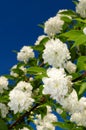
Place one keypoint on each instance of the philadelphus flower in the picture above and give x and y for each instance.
(3, 110)
(46, 122)
(84, 30)
(70, 103)
(56, 53)
(70, 67)
(53, 25)
(40, 38)
(25, 54)
(20, 97)
(56, 84)
(14, 74)
(80, 115)
(3, 84)
(81, 8)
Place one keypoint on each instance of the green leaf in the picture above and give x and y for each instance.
(66, 19)
(81, 64)
(4, 98)
(34, 70)
(81, 20)
(69, 12)
(3, 125)
(82, 88)
(75, 35)
(81, 40)
(65, 126)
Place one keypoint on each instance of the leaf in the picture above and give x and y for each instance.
(65, 126)
(81, 40)
(81, 63)
(68, 12)
(82, 88)
(75, 35)
(34, 70)
(81, 20)
(3, 125)
(66, 19)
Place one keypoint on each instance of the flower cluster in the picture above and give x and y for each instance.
(3, 84)
(20, 97)
(81, 8)
(25, 54)
(56, 84)
(56, 53)
(46, 122)
(53, 79)
(3, 110)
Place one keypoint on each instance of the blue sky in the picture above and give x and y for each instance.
(18, 25)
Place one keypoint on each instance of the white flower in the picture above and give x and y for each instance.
(56, 53)
(79, 118)
(40, 38)
(3, 84)
(84, 30)
(14, 74)
(56, 84)
(25, 128)
(20, 97)
(81, 8)
(25, 54)
(70, 67)
(46, 122)
(53, 25)
(3, 110)
(70, 103)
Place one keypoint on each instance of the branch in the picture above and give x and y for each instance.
(80, 77)
(20, 119)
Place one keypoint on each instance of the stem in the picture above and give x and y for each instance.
(20, 119)
(80, 77)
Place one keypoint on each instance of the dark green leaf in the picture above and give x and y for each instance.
(3, 125)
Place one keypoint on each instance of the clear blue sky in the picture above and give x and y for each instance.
(18, 25)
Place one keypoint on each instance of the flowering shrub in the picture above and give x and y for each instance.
(49, 78)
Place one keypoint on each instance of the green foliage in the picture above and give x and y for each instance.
(3, 125)
(81, 63)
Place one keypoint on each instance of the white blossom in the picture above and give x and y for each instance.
(40, 38)
(81, 8)
(56, 53)
(20, 97)
(3, 110)
(14, 74)
(70, 103)
(79, 118)
(56, 84)
(46, 122)
(70, 67)
(3, 84)
(25, 54)
(53, 26)
(84, 30)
